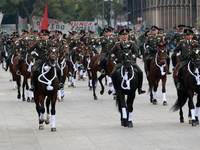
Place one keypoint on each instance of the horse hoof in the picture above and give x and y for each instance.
(14, 88)
(164, 103)
(190, 121)
(95, 98)
(59, 99)
(23, 99)
(28, 99)
(32, 100)
(194, 123)
(115, 97)
(124, 123)
(130, 124)
(90, 88)
(151, 100)
(110, 84)
(197, 120)
(181, 120)
(53, 129)
(19, 96)
(101, 92)
(47, 122)
(155, 102)
(109, 92)
(41, 127)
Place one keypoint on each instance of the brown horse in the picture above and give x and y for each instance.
(95, 67)
(62, 62)
(158, 70)
(26, 73)
(191, 80)
(47, 88)
(76, 61)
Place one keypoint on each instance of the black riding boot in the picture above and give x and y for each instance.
(114, 81)
(168, 63)
(61, 86)
(140, 81)
(148, 61)
(179, 84)
(20, 63)
(102, 67)
(84, 67)
(7, 64)
(173, 60)
(68, 63)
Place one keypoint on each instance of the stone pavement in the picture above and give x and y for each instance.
(83, 123)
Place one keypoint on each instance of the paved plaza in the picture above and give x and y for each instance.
(86, 124)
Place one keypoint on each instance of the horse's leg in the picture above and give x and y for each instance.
(106, 81)
(27, 91)
(155, 94)
(192, 108)
(42, 112)
(130, 99)
(164, 91)
(110, 81)
(94, 76)
(23, 86)
(100, 81)
(197, 109)
(14, 82)
(90, 80)
(53, 112)
(74, 85)
(59, 95)
(18, 79)
(180, 99)
(123, 109)
(47, 121)
(151, 96)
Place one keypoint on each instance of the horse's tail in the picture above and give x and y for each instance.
(180, 102)
(118, 104)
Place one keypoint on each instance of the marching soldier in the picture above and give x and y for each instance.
(23, 45)
(184, 46)
(42, 48)
(153, 39)
(177, 36)
(107, 43)
(118, 53)
(13, 49)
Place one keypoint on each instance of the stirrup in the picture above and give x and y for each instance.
(103, 71)
(18, 72)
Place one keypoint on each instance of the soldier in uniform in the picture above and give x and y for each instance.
(14, 47)
(112, 34)
(194, 35)
(118, 53)
(184, 46)
(177, 36)
(42, 48)
(153, 39)
(36, 35)
(107, 43)
(131, 36)
(72, 42)
(23, 45)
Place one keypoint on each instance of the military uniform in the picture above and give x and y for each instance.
(184, 46)
(178, 36)
(131, 37)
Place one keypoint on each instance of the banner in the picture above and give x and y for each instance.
(22, 24)
(45, 20)
(59, 25)
(1, 17)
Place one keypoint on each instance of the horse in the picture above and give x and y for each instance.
(62, 62)
(47, 88)
(95, 67)
(191, 79)
(158, 70)
(128, 84)
(26, 73)
(76, 61)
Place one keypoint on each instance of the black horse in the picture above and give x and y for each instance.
(127, 85)
(191, 78)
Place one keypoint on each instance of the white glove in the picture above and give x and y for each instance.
(94, 46)
(33, 52)
(99, 43)
(112, 55)
(147, 46)
(133, 56)
(20, 49)
(178, 53)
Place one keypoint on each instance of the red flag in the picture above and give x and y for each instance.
(45, 20)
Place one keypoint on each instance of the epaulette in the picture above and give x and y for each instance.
(182, 40)
(30, 38)
(150, 35)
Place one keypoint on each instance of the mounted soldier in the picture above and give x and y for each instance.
(153, 39)
(107, 43)
(23, 45)
(42, 49)
(180, 35)
(184, 46)
(118, 53)
(131, 36)
(36, 35)
(112, 34)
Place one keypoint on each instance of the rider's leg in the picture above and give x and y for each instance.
(173, 59)
(148, 62)
(168, 64)
(58, 71)
(140, 79)
(102, 63)
(20, 63)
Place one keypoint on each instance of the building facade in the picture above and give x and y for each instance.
(164, 13)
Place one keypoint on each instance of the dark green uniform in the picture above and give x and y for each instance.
(177, 36)
(131, 37)
(23, 45)
(72, 44)
(118, 53)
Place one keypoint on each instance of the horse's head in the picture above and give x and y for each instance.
(65, 50)
(52, 55)
(126, 56)
(162, 53)
(195, 56)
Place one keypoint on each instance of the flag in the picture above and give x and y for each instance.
(22, 23)
(1, 17)
(45, 20)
